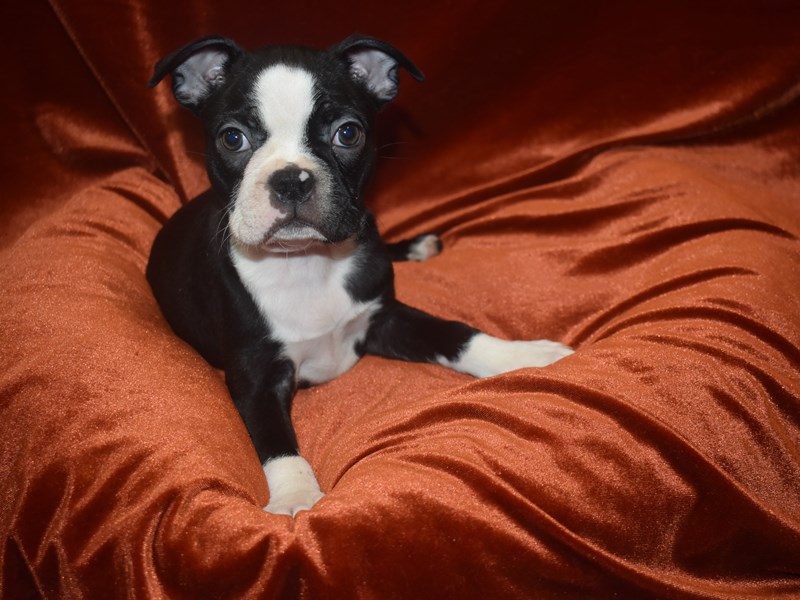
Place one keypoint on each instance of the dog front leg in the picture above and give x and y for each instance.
(402, 332)
(263, 394)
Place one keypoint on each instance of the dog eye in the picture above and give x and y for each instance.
(234, 140)
(348, 135)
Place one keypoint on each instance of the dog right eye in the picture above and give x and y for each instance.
(234, 140)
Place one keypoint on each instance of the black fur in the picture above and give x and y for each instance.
(191, 271)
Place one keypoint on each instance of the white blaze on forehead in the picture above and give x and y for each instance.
(285, 99)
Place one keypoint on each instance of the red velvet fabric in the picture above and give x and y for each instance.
(623, 177)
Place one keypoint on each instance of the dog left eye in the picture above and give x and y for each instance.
(234, 140)
(348, 135)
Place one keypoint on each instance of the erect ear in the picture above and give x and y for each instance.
(197, 69)
(374, 64)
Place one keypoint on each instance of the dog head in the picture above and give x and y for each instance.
(288, 131)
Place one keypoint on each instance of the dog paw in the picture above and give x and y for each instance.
(485, 356)
(424, 247)
(293, 503)
(292, 485)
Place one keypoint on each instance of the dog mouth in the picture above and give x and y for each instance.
(292, 236)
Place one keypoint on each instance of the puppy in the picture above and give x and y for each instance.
(277, 274)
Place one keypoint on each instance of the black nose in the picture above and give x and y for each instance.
(291, 185)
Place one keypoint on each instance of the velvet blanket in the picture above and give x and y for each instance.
(623, 177)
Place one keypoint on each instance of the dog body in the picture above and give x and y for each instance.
(278, 274)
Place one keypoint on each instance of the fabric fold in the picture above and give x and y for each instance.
(621, 178)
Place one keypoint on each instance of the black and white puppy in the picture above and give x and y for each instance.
(278, 274)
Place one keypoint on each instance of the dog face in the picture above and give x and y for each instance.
(288, 129)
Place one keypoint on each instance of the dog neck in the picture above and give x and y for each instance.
(304, 299)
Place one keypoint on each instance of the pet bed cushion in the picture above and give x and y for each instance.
(623, 177)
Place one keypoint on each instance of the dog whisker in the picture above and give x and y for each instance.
(390, 144)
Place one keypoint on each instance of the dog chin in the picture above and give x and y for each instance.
(292, 238)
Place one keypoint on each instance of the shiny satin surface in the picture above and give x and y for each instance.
(621, 177)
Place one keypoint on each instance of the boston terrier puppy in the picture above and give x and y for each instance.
(277, 274)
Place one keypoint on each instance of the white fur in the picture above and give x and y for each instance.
(284, 97)
(303, 298)
(424, 248)
(292, 485)
(485, 356)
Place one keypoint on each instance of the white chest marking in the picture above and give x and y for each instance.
(304, 301)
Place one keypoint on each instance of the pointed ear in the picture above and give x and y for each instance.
(374, 64)
(197, 69)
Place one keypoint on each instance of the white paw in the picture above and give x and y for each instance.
(485, 356)
(424, 247)
(292, 485)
